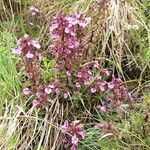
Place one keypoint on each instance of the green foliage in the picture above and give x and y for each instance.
(9, 77)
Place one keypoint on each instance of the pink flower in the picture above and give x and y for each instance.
(35, 103)
(34, 10)
(57, 90)
(75, 129)
(29, 55)
(74, 140)
(82, 134)
(26, 46)
(89, 72)
(79, 75)
(17, 50)
(26, 91)
(51, 86)
(86, 82)
(96, 64)
(111, 85)
(78, 85)
(73, 147)
(40, 56)
(68, 73)
(66, 32)
(93, 90)
(65, 140)
(35, 43)
(54, 26)
(102, 85)
(65, 126)
(99, 1)
(84, 76)
(66, 95)
(48, 90)
(54, 36)
(82, 20)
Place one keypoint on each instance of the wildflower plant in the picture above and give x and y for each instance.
(68, 50)
(67, 34)
(74, 133)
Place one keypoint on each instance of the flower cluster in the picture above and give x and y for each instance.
(31, 59)
(99, 85)
(27, 46)
(34, 11)
(67, 34)
(85, 76)
(75, 132)
(43, 92)
(116, 95)
(118, 90)
(113, 90)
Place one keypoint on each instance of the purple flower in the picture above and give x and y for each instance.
(39, 56)
(102, 85)
(29, 55)
(35, 103)
(35, 43)
(73, 147)
(34, 11)
(84, 76)
(51, 86)
(96, 64)
(54, 26)
(17, 50)
(82, 21)
(26, 46)
(26, 91)
(99, 1)
(67, 34)
(48, 90)
(118, 90)
(68, 73)
(111, 85)
(65, 126)
(75, 129)
(74, 140)
(93, 90)
(86, 82)
(79, 75)
(66, 95)
(57, 90)
(78, 85)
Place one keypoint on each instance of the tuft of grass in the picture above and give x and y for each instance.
(9, 78)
